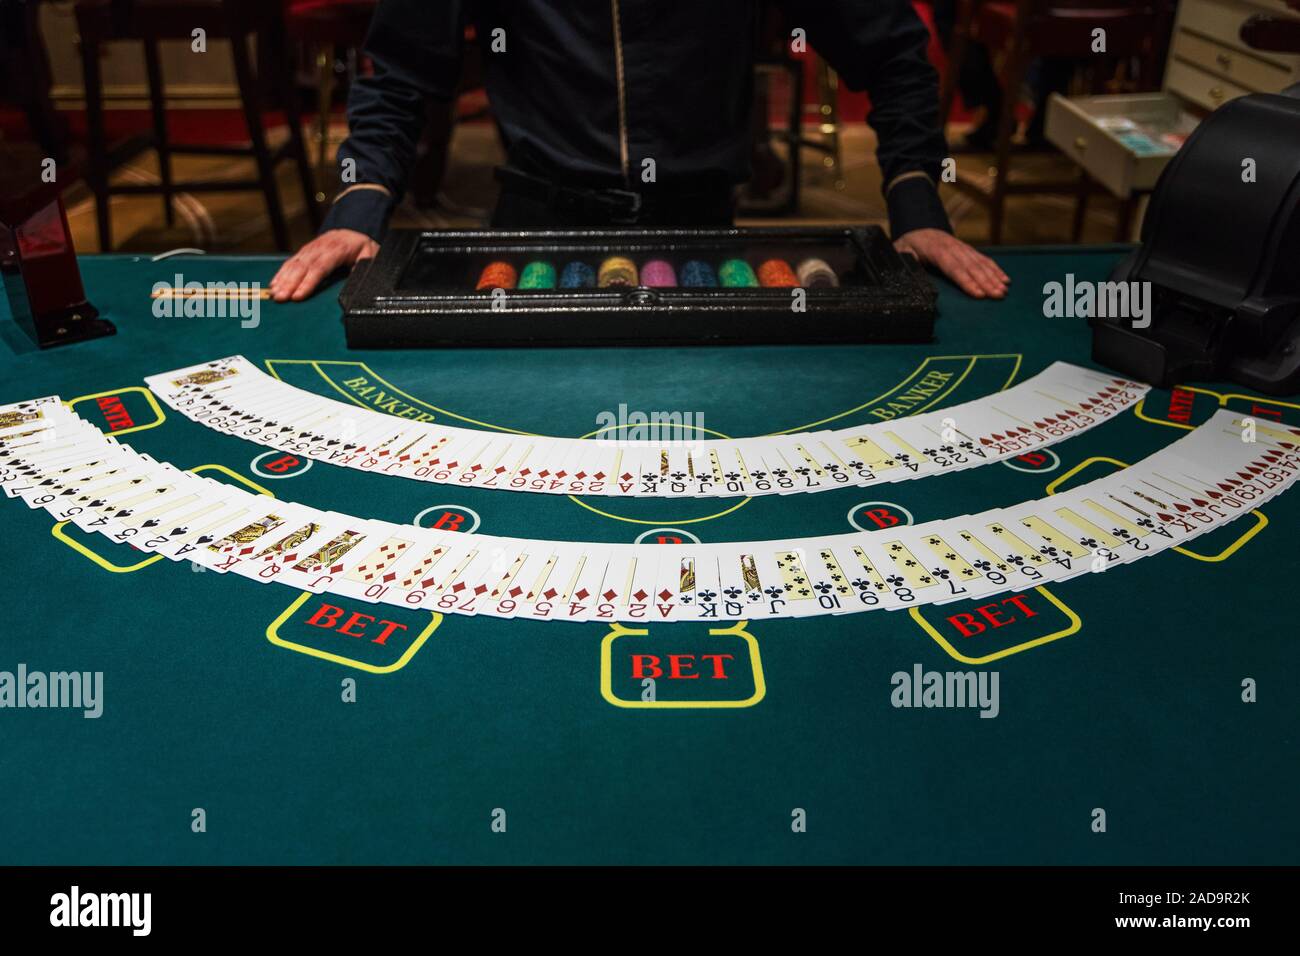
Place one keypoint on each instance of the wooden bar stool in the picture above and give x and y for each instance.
(327, 25)
(151, 21)
(1016, 31)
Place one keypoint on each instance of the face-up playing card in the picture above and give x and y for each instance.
(582, 590)
(938, 549)
(235, 396)
(613, 597)
(421, 569)
(508, 583)
(814, 577)
(1222, 470)
(877, 574)
(370, 568)
(191, 535)
(661, 576)
(966, 542)
(473, 574)
(599, 468)
(545, 583)
(314, 565)
(545, 580)
(244, 547)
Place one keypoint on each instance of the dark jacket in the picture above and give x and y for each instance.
(583, 102)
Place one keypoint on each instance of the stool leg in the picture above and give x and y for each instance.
(1015, 72)
(1124, 225)
(250, 95)
(1080, 206)
(97, 168)
(161, 143)
(794, 141)
(831, 122)
(324, 92)
(956, 60)
(297, 145)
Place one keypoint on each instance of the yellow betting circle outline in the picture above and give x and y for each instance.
(1075, 626)
(617, 630)
(1222, 397)
(58, 533)
(273, 635)
(159, 415)
(1261, 520)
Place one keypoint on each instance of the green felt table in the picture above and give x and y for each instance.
(1120, 691)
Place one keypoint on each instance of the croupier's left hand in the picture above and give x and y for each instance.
(973, 272)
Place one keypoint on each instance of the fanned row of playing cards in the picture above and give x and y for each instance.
(51, 459)
(234, 396)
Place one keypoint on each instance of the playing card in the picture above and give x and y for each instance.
(1224, 469)
(548, 595)
(505, 596)
(582, 590)
(433, 554)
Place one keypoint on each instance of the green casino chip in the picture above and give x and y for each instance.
(538, 275)
(736, 273)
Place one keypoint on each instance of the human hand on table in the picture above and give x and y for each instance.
(974, 273)
(332, 249)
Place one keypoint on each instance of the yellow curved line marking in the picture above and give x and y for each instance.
(273, 635)
(1060, 479)
(1015, 369)
(1140, 412)
(1074, 627)
(971, 360)
(873, 401)
(605, 514)
(1229, 396)
(657, 521)
(738, 629)
(698, 428)
(159, 415)
(246, 482)
(330, 382)
(909, 377)
(58, 533)
(1261, 520)
(1222, 398)
(902, 384)
(947, 391)
(317, 363)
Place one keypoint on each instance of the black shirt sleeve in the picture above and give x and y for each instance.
(880, 46)
(415, 48)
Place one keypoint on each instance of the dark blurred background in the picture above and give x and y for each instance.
(115, 91)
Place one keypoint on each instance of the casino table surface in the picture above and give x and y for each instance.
(1120, 691)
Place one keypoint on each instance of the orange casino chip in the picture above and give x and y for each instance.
(498, 275)
(777, 273)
